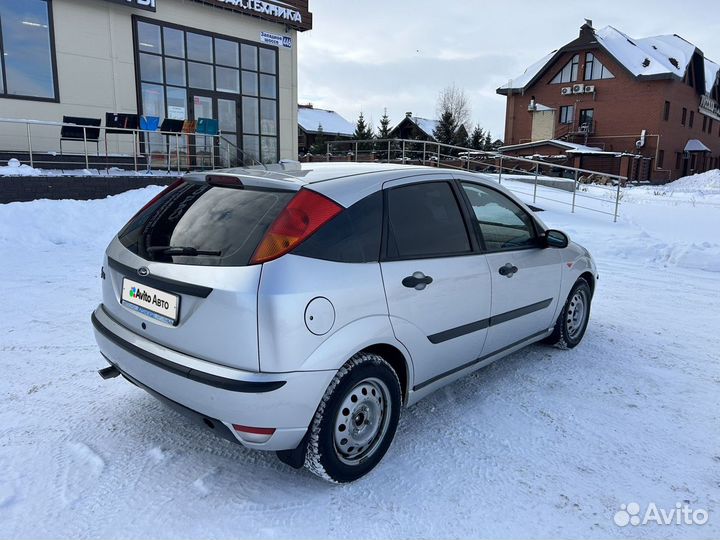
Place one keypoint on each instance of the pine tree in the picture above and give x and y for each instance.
(384, 128)
(362, 130)
(320, 146)
(477, 138)
(461, 137)
(488, 142)
(445, 131)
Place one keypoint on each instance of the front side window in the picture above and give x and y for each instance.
(424, 221)
(569, 73)
(503, 224)
(26, 56)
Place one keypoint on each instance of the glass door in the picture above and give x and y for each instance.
(225, 111)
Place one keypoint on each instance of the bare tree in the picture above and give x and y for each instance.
(453, 99)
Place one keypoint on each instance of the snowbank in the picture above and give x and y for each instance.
(702, 188)
(47, 223)
(702, 183)
(15, 168)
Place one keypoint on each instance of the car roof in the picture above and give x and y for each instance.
(310, 173)
(344, 182)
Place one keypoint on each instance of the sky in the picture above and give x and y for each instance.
(368, 55)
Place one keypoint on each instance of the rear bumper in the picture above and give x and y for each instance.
(285, 402)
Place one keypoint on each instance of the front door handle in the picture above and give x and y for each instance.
(508, 270)
(417, 281)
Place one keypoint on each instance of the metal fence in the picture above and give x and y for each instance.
(578, 188)
(39, 144)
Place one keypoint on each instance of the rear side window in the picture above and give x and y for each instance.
(353, 236)
(223, 225)
(424, 220)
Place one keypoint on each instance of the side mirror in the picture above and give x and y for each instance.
(556, 239)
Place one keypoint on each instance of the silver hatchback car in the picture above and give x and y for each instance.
(299, 309)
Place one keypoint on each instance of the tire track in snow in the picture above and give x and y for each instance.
(80, 470)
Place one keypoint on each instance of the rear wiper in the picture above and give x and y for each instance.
(186, 251)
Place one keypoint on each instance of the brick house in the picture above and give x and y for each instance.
(645, 108)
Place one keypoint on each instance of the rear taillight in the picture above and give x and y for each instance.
(305, 214)
(157, 197)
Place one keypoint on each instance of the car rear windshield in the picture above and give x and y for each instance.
(199, 224)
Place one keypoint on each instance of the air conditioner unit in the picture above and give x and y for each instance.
(589, 88)
(566, 91)
(578, 88)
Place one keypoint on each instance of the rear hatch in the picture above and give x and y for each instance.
(179, 272)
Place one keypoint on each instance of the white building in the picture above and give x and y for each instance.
(230, 60)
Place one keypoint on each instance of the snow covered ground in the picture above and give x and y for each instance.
(15, 168)
(545, 443)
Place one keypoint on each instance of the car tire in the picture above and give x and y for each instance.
(355, 421)
(573, 319)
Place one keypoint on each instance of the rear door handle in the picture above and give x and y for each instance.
(417, 281)
(508, 270)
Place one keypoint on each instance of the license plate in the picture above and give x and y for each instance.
(154, 303)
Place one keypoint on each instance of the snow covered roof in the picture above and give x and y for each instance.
(564, 145)
(711, 74)
(693, 145)
(426, 124)
(309, 118)
(529, 74)
(540, 107)
(656, 55)
(651, 57)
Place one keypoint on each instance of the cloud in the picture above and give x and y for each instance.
(399, 54)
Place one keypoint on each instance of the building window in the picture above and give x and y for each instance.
(678, 160)
(692, 118)
(567, 114)
(27, 56)
(666, 111)
(569, 73)
(661, 159)
(189, 74)
(705, 118)
(595, 70)
(710, 125)
(586, 120)
(684, 116)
